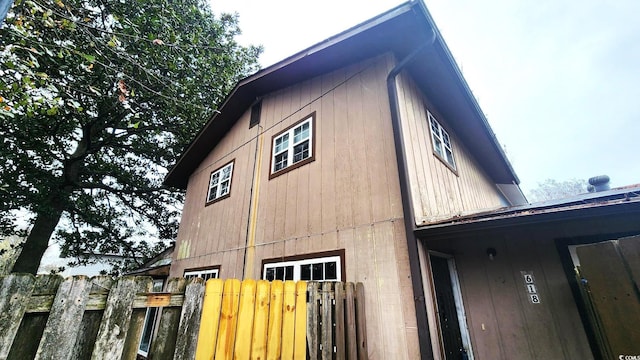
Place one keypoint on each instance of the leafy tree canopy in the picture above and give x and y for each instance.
(97, 99)
(551, 189)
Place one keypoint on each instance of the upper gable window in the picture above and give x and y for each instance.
(441, 142)
(293, 147)
(220, 183)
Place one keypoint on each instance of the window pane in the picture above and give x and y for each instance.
(434, 126)
(280, 273)
(288, 273)
(213, 193)
(270, 275)
(437, 145)
(282, 143)
(330, 272)
(224, 188)
(281, 161)
(445, 137)
(300, 133)
(450, 158)
(317, 271)
(226, 172)
(301, 152)
(305, 272)
(145, 341)
(214, 178)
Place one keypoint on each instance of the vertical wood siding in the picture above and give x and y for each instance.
(503, 324)
(348, 198)
(439, 193)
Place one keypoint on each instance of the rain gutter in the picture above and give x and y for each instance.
(424, 338)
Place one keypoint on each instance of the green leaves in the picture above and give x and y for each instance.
(98, 98)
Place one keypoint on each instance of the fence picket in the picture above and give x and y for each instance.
(163, 346)
(327, 321)
(339, 320)
(110, 343)
(246, 310)
(361, 329)
(313, 319)
(88, 329)
(65, 317)
(188, 336)
(300, 332)
(228, 320)
(351, 337)
(288, 319)
(275, 321)
(261, 320)
(25, 344)
(15, 291)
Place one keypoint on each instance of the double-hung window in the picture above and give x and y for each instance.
(220, 183)
(441, 142)
(293, 147)
(323, 268)
(206, 273)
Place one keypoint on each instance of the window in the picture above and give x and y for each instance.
(149, 322)
(220, 183)
(205, 274)
(318, 267)
(293, 147)
(441, 142)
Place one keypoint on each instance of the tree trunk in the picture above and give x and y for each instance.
(37, 242)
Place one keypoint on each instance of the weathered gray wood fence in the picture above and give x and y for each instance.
(48, 317)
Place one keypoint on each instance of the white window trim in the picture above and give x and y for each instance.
(219, 193)
(310, 261)
(440, 138)
(215, 272)
(291, 145)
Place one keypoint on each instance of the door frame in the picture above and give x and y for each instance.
(465, 335)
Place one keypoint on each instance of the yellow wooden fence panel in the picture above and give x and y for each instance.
(274, 337)
(288, 319)
(245, 320)
(228, 320)
(210, 319)
(261, 320)
(300, 351)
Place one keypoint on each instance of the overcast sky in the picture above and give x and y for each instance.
(559, 81)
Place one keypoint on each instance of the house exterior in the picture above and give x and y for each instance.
(338, 163)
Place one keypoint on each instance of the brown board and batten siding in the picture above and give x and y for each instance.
(437, 191)
(502, 322)
(347, 198)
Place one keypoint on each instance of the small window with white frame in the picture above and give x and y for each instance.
(220, 183)
(293, 147)
(204, 273)
(441, 142)
(312, 267)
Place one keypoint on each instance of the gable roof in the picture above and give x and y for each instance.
(399, 30)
